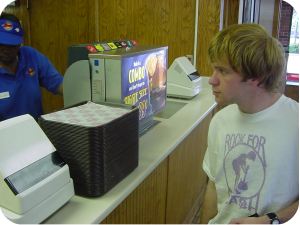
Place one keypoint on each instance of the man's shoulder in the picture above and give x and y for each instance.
(225, 115)
(288, 106)
(291, 102)
(29, 51)
(226, 111)
(26, 48)
(290, 109)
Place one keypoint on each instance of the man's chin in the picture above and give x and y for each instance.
(221, 103)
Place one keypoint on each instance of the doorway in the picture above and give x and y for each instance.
(289, 37)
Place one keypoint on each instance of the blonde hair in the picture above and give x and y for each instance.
(252, 52)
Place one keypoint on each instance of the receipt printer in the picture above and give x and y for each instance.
(34, 180)
(183, 80)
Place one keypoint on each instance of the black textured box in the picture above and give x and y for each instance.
(98, 157)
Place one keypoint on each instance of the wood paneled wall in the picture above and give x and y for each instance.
(156, 22)
(173, 193)
(186, 179)
(209, 23)
(146, 204)
(231, 12)
(276, 18)
(53, 25)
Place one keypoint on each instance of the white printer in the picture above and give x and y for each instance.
(183, 80)
(34, 180)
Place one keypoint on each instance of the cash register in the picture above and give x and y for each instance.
(34, 180)
(183, 80)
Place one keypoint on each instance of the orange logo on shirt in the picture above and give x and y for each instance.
(30, 72)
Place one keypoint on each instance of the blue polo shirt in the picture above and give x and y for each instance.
(20, 93)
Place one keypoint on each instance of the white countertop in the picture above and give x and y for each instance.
(154, 147)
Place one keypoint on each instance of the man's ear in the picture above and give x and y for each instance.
(253, 82)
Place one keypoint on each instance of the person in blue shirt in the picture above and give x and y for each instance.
(23, 70)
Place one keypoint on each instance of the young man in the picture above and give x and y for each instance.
(22, 71)
(252, 156)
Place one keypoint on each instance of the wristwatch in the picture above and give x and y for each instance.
(273, 218)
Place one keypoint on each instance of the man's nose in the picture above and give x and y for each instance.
(213, 80)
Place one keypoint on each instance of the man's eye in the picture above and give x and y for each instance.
(222, 71)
